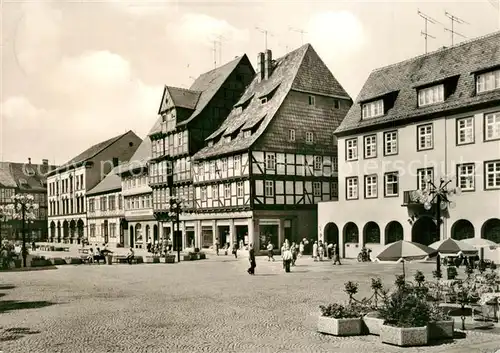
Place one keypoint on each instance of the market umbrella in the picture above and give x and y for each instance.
(403, 250)
(479, 243)
(453, 247)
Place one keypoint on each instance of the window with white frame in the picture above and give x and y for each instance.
(247, 133)
(334, 190)
(237, 162)
(465, 176)
(224, 164)
(431, 95)
(317, 188)
(312, 100)
(488, 81)
(179, 139)
(391, 184)
(422, 176)
(465, 130)
(351, 149)
(215, 192)
(291, 135)
(373, 109)
(203, 193)
(370, 146)
(318, 162)
(390, 143)
(492, 171)
(227, 191)
(352, 188)
(370, 186)
(239, 189)
(492, 126)
(269, 188)
(309, 137)
(424, 137)
(270, 161)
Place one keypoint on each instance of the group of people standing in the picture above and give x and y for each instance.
(320, 251)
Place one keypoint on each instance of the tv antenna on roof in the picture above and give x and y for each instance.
(496, 5)
(425, 33)
(452, 30)
(266, 33)
(219, 41)
(298, 30)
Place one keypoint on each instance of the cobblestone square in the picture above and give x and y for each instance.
(202, 306)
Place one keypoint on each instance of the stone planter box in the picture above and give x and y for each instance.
(139, 259)
(340, 327)
(57, 261)
(40, 263)
(74, 261)
(156, 259)
(170, 259)
(441, 329)
(202, 255)
(187, 258)
(404, 336)
(373, 323)
(17, 263)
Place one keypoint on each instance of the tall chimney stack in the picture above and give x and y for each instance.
(29, 160)
(260, 66)
(45, 162)
(268, 63)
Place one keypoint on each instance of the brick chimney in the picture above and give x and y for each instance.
(29, 160)
(268, 67)
(260, 66)
(45, 162)
(115, 161)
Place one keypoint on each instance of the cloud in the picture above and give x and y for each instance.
(97, 95)
(145, 8)
(196, 28)
(37, 38)
(336, 35)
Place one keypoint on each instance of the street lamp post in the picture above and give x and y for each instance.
(439, 195)
(23, 208)
(174, 213)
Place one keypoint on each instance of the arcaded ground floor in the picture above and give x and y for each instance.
(201, 306)
(244, 228)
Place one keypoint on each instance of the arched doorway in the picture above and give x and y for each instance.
(131, 236)
(393, 232)
(155, 233)
(65, 231)
(58, 231)
(79, 230)
(462, 229)
(52, 231)
(331, 233)
(148, 235)
(371, 233)
(491, 230)
(72, 229)
(351, 233)
(424, 231)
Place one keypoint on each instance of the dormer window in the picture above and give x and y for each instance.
(312, 100)
(210, 143)
(263, 100)
(309, 137)
(431, 95)
(488, 81)
(227, 139)
(247, 133)
(373, 109)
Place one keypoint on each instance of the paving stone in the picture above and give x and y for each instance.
(202, 306)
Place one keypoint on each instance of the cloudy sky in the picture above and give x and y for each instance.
(74, 73)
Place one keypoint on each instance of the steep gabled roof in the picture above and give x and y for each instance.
(111, 182)
(289, 72)
(181, 97)
(6, 179)
(403, 79)
(93, 151)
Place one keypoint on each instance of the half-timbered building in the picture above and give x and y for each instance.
(188, 117)
(263, 171)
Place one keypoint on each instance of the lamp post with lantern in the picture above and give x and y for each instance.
(23, 208)
(440, 196)
(174, 213)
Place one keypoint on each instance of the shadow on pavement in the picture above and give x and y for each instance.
(12, 305)
(6, 286)
(266, 274)
(15, 333)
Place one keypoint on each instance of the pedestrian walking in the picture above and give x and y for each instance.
(286, 255)
(217, 246)
(270, 252)
(330, 251)
(336, 255)
(315, 251)
(293, 250)
(235, 249)
(301, 249)
(251, 259)
(321, 251)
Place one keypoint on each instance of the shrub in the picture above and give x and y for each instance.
(451, 272)
(339, 311)
(419, 278)
(437, 314)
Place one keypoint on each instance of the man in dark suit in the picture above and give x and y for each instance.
(251, 258)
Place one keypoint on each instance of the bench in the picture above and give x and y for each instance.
(123, 259)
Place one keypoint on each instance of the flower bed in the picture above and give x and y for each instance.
(340, 320)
